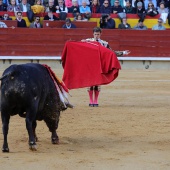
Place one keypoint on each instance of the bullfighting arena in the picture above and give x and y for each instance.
(130, 130)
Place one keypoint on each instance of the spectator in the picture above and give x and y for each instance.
(31, 2)
(129, 9)
(12, 7)
(116, 8)
(68, 3)
(3, 6)
(80, 2)
(163, 11)
(45, 3)
(146, 2)
(6, 17)
(105, 8)
(124, 24)
(140, 26)
(162, 8)
(74, 9)
(95, 6)
(36, 23)
(151, 10)
(50, 17)
(61, 7)
(68, 24)
(2, 24)
(136, 1)
(102, 1)
(85, 10)
(159, 26)
(79, 17)
(50, 6)
(121, 2)
(20, 22)
(24, 6)
(107, 22)
(140, 10)
(166, 3)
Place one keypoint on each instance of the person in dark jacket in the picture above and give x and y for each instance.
(124, 24)
(50, 16)
(140, 11)
(107, 22)
(20, 22)
(74, 9)
(68, 24)
(105, 8)
(3, 6)
(151, 10)
(50, 6)
(129, 9)
(117, 8)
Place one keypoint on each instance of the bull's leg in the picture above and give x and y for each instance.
(53, 125)
(34, 125)
(5, 126)
(30, 118)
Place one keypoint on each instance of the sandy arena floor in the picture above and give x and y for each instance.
(129, 131)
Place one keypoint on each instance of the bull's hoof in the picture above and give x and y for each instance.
(5, 149)
(32, 146)
(55, 141)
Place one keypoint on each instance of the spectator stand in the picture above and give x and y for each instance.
(132, 19)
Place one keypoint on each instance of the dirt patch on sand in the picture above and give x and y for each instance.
(129, 130)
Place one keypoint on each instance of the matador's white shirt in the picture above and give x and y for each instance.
(102, 42)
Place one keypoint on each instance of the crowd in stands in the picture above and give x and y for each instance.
(82, 10)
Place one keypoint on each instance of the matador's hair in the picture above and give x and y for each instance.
(97, 29)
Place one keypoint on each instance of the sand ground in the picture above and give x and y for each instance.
(130, 130)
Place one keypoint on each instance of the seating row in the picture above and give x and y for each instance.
(132, 19)
(55, 24)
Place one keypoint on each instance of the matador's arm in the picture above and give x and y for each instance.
(120, 53)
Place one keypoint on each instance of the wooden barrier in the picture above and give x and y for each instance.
(10, 23)
(50, 42)
(59, 24)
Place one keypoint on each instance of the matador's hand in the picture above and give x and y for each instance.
(126, 52)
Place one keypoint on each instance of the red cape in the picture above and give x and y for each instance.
(87, 64)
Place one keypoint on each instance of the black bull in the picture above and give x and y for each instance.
(28, 90)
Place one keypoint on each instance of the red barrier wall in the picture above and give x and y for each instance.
(50, 42)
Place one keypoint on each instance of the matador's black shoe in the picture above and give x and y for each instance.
(95, 105)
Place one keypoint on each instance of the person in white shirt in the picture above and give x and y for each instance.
(61, 7)
(159, 26)
(3, 25)
(80, 2)
(24, 6)
(94, 91)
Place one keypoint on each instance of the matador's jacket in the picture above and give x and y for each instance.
(105, 44)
